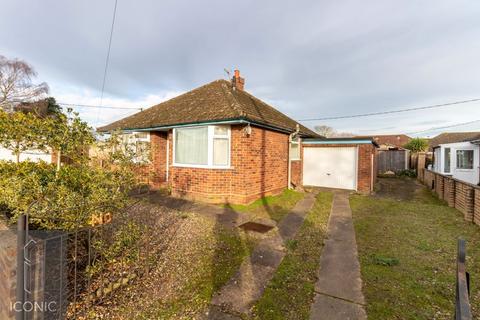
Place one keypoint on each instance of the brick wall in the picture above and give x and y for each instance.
(297, 170)
(458, 194)
(155, 173)
(258, 168)
(367, 164)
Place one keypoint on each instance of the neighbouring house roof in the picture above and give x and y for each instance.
(214, 102)
(39, 108)
(452, 137)
(398, 140)
(353, 140)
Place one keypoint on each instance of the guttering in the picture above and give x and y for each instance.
(290, 137)
(343, 141)
(204, 123)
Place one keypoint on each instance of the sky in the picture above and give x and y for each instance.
(309, 59)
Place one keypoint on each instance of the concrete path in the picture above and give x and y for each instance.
(339, 286)
(242, 291)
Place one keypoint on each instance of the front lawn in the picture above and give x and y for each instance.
(407, 251)
(289, 294)
(271, 207)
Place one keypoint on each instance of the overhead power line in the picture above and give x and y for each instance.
(446, 127)
(107, 59)
(393, 111)
(96, 106)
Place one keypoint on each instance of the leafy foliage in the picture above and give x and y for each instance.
(407, 173)
(69, 194)
(20, 132)
(417, 145)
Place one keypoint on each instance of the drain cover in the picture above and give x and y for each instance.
(256, 226)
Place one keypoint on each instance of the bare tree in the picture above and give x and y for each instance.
(16, 83)
(325, 131)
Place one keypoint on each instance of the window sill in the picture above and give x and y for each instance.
(464, 170)
(295, 159)
(202, 166)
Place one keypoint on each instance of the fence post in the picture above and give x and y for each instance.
(462, 303)
(20, 293)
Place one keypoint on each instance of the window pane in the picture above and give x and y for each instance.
(191, 146)
(220, 152)
(220, 131)
(447, 160)
(142, 151)
(294, 151)
(465, 159)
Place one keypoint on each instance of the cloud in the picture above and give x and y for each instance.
(308, 58)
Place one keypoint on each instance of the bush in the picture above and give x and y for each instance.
(407, 173)
(417, 145)
(65, 198)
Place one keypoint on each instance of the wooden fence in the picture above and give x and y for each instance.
(392, 160)
(458, 194)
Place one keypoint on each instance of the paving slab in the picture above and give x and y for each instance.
(339, 286)
(329, 308)
(242, 291)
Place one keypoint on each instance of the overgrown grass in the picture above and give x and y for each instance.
(290, 292)
(272, 207)
(407, 251)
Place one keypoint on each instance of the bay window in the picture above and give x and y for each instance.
(206, 146)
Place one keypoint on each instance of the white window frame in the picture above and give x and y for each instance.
(211, 136)
(130, 139)
(456, 162)
(299, 150)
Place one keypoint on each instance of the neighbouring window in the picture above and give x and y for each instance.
(295, 150)
(447, 160)
(464, 159)
(138, 143)
(207, 146)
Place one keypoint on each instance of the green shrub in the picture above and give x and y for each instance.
(61, 199)
(407, 173)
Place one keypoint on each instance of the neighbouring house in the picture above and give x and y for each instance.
(218, 143)
(391, 141)
(457, 154)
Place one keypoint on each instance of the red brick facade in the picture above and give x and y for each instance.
(367, 164)
(258, 168)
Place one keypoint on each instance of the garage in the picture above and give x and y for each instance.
(341, 163)
(331, 167)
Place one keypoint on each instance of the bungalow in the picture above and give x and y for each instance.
(218, 143)
(457, 155)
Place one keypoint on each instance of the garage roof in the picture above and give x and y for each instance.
(363, 140)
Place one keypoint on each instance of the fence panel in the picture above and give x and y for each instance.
(392, 160)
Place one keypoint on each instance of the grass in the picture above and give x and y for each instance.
(291, 290)
(407, 252)
(272, 207)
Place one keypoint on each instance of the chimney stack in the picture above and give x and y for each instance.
(237, 81)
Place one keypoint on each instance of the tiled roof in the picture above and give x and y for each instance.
(215, 101)
(451, 137)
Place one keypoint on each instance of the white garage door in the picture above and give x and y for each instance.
(330, 167)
